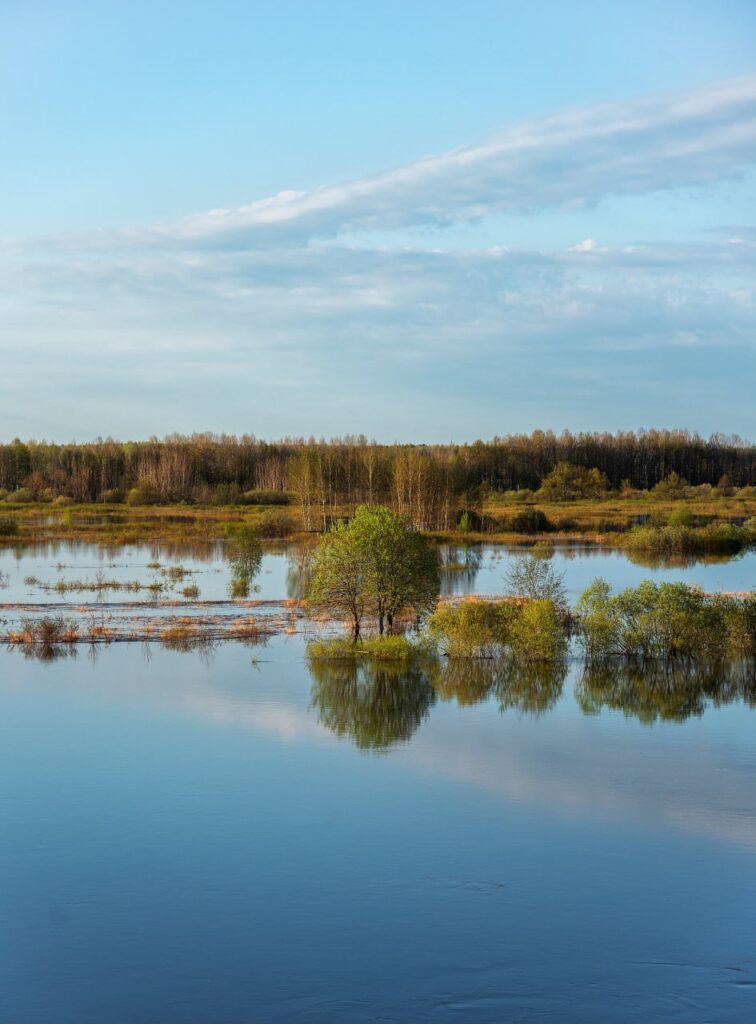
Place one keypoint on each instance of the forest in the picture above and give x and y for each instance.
(428, 483)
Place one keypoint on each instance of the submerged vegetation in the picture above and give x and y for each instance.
(664, 622)
(680, 540)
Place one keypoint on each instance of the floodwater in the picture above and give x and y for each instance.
(240, 836)
(478, 569)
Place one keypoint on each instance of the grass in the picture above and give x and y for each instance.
(592, 520)
(373, 648)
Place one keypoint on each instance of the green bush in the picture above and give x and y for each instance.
(23, 496)
(274, 523)
(531, 520)
(538, 633)
(681, 516)
(373, 648)
(266, 498)
(663, 621)
(471, 628)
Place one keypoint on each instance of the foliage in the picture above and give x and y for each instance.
(534, 579)
(338, 582)
(377, 565)
(568, 483)
(377, 704)
(530, 520)
(522, 631)
(681, 516)
(679, 540)
(471, 628)
(375, 648)
(244, 553)
(663, 621)
(538, 633)
(671, 488)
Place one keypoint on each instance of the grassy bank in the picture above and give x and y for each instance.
(503, 520)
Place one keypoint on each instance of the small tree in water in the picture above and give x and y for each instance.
(376, 565)
(536, 580)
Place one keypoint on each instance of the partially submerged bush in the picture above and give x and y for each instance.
(374, 648)
(678, 540)
(527, 631)
(664, 621)
(471, 628)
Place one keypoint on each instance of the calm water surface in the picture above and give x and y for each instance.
(477, 569)
(236, 838)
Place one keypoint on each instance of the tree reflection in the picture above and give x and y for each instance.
(376, 704)
(459, 566)
(531, 688)
(465, 680)
(670, 691)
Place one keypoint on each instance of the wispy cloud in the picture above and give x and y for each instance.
(270, 298)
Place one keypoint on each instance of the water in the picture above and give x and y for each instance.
(237, 838)
(479, 569)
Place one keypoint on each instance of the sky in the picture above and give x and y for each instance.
(420, 221)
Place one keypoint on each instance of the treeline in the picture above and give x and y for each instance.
(427, 482)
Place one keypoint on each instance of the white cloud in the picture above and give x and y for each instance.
(268, 299)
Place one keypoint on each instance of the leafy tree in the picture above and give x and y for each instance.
(401, 567)
(378, 565)
(569, 483)
(338, 582)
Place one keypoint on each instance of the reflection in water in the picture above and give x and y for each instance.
(531, 689)
(670, 691)
(380, 704)
(376, 704)
(298, 568)
(464, 680)
(459, 566)
(653, 560)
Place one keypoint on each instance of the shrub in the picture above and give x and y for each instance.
(570, 483)
(114, 496)
(681, 516)
(266, 498)
(471, 628)
(8, 527)
(373, 648)
(21, 497)
(538, 633)
(62, 500)
(274, 524)
(666, 620)
(531, 520)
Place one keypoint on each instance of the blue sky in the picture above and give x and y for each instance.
(420, 221)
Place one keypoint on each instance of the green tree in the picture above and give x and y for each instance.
(400, 566)
(338, 582)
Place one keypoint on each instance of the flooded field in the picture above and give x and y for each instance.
(236, 833)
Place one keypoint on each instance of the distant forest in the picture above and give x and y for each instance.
(427, 482)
